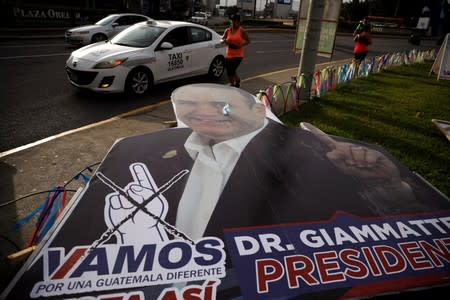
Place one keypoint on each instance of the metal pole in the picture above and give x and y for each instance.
(310, 44)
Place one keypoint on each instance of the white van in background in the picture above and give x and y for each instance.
(199, 18)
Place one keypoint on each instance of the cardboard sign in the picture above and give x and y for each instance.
(423, 23)
(443, 126)
(441, 65)
(230, 204)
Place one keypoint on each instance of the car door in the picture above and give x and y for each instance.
(176, 62)
(120, 24)
(202, 48)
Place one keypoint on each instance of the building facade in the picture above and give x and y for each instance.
(57, 13)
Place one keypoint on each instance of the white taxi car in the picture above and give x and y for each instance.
(104, 29)
(147, 53)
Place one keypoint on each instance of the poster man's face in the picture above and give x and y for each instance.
(217, 112)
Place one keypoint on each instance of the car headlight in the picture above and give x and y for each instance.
(107, 64)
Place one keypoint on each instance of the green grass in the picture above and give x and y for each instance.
(393, 109)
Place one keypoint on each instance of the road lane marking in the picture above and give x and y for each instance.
(272, 51)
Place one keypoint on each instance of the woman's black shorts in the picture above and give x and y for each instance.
(360, 55)
(231, 65)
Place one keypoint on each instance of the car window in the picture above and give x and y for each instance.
(106, 20)
(200, 35)
(122, 21)
(138, 36)
(177, 37)
(137, 19)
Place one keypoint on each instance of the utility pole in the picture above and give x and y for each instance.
(310, 45)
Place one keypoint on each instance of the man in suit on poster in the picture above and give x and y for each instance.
(249, 170)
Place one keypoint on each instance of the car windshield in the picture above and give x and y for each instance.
(106, 20)
(138, 36)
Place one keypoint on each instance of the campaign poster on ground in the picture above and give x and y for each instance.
(232, 204)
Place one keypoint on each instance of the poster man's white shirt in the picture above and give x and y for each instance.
(209, 175)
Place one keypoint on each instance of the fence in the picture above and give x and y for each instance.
(284, 97)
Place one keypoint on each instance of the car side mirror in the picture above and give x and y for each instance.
(166, 46)
(114, 24)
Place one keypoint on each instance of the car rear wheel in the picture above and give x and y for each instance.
(217, 67)
(138, 81)
(98, 37)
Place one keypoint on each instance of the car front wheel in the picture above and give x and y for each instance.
(217, 67)
(138, 81)
(98, 37)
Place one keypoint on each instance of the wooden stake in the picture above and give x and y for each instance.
(22, 252)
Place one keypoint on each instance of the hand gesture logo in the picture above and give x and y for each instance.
(141, 226)
(136, 213)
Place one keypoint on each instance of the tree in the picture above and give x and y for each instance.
(180, 9)
(154, 8)
(357, 9)
(268, 9)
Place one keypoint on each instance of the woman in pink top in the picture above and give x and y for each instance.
(363, 39)
(235, 37)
